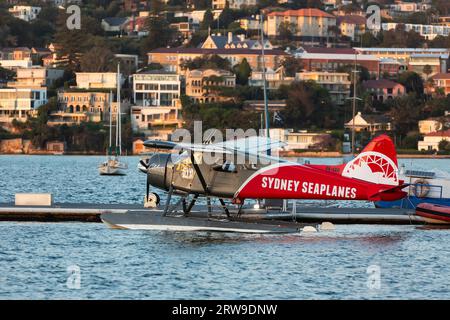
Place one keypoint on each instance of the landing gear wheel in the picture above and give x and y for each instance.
(152, 200)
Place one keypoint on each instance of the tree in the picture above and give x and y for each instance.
(242, 71)
(291, 66)
(226, 16)
(208, 20)
(405, 112)
(160, 34)
(207, 61)
(97, 59)
(285, 31)
(309, 105)
(412, 82)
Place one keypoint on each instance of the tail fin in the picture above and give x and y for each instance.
(377, 163)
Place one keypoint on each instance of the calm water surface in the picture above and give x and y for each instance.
(34, 257)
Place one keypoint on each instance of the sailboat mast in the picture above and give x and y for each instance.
(266, 106)
(110, 121)
(118, 147)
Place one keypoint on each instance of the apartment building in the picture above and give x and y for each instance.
(442, 81)
(20, 103)
(337, 84)
(305, 24)
(429, 31)
(35, 77)
(383, 89)
(156, 88)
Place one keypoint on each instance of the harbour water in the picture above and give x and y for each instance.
(351, 262)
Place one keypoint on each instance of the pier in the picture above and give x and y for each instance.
(89, 212)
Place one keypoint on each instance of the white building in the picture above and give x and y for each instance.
(96, 80)
(36, 77)
(148, 119)
(156, 88)
(409, 7)
(26, 13)
(428, 31)
(233, 4)
(431, 140)
(15, 64)
(20, 103)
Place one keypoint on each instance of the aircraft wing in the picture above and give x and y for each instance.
(252, 145)
(255, 145)
(170, 145)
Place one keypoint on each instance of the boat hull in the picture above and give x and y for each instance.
(155, 220)
(111, 171)
(411, 202)
(432, 213)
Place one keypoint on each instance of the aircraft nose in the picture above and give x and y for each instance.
(157, 169)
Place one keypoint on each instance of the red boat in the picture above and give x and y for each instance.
(434, 213)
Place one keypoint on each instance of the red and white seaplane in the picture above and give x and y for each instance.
(236, 170)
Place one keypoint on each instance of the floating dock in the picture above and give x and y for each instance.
(85, 212)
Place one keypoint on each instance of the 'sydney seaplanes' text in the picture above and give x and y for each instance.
(306, 187)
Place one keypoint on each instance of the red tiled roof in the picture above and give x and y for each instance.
(310, 12)
(380, 84)
(445, 133)
(182, 50)
(441, 76)
(352, 19)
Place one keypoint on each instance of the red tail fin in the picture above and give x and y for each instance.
(377, 163)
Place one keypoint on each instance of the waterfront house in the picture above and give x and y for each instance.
(370, 123)
(20, 103)
(431, 140)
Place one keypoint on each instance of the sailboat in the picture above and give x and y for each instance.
(112, 166)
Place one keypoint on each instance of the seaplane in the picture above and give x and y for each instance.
(239, 170)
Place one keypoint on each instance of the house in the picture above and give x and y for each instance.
(430, 125)
(202, 84)
(402, 7)
(230, 41)
(337, 83)
(186, 29)
(442, 81)
(233, 4)
(383, 89)
(304, 140)
(129, 63)
(135, 25)
(96, 80)
(114, 24)
(20, 103)
(172, 58)
(352, 26)
(431, 140)
(370, 123)
(305, 24)
(274, 78)
(156, 88)
(35, 77)
(148, 119)
(25, 13)
(78, 106)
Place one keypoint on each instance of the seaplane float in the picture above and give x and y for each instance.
(236, 171)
